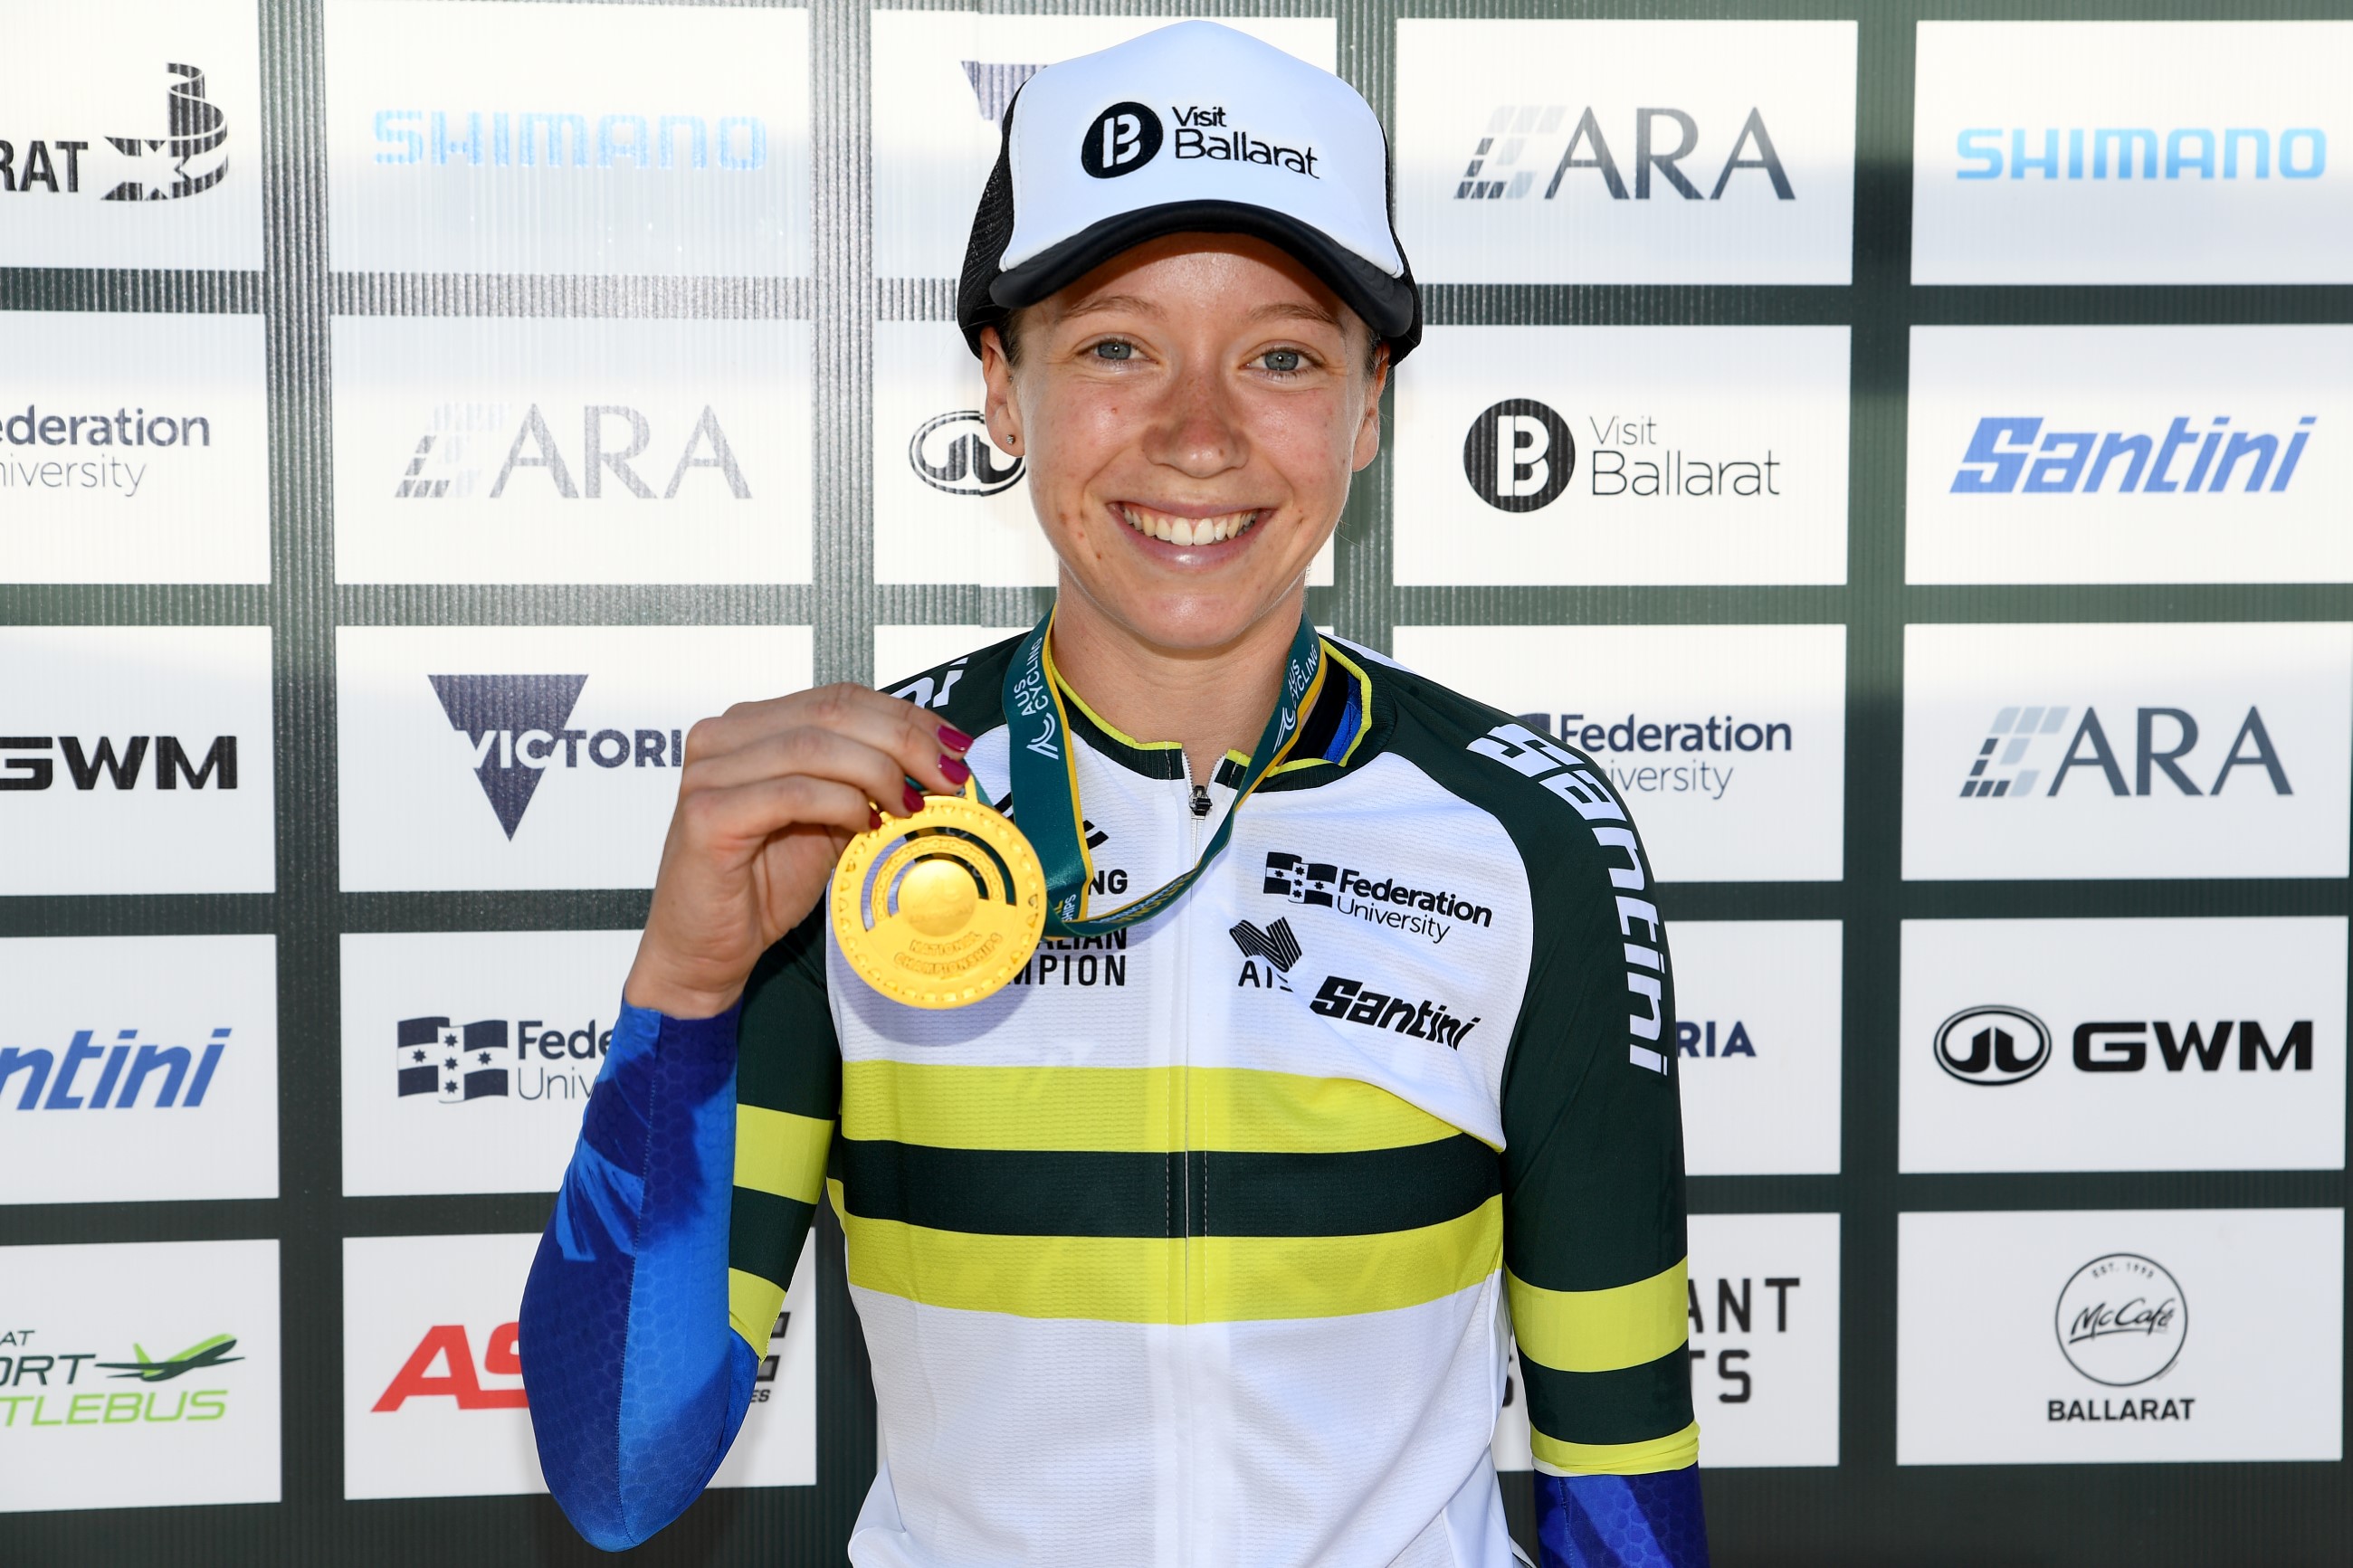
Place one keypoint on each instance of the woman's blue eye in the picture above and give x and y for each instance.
(1282, 361)
(1114, 350)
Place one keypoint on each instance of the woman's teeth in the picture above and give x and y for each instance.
(1185, 530)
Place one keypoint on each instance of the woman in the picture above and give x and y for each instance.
(1191, 1244)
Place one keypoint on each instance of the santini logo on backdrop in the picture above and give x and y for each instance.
(170, 1067)
(1519, 454)
(1509, 159)
(2079, 462)
(2124, 152)
(515, 724)
(2163, 738)
(452, 456)
(186, 160)
(551, 139)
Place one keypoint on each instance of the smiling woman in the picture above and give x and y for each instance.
(1204, 1254)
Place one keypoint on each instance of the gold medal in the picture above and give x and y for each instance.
(941, 908)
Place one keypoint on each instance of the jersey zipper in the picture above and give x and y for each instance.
(1181, 1049)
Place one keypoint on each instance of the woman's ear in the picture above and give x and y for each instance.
(1002, 412)
(1369, 432)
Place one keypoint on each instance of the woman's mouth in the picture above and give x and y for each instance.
(1170, 528)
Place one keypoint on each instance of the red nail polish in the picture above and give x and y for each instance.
(914, 798)
(954, 739)
(958, 773)
(873, 817)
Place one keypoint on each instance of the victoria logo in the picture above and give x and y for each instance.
(1519, 456)
(1122, 139)
(1987, 1045)
(952, 452)
(515, 727)
(2122, 1320)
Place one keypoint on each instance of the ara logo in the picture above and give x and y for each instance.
(1992, 1045)
(451, 458)
(2080, 462)
(187, 159)
(1519, 456)
(1699, 1039)
(1267, 955)
(30, 1379)
(515, 724)
(131, 1063)
(993, 83)
(2162, 739)
(2122, 1320)
(639, 145)
(1121, 140)
(87, 761)
(952, 452)
(2124, 152)
(1512, 156)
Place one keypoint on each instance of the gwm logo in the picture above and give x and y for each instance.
(1984, 1046)
(1508, 160)
(1519, 454)
(2162, 739)
(952, 452)
(1123, 138)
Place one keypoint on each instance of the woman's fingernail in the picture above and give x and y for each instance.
(873, 817)
(958, 773)
(914, 798)
(954, 739)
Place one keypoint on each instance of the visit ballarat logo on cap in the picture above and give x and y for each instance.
(1123, 138)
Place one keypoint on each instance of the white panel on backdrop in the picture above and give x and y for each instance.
(1758, 1006)
(163, 1049)
(468, 1055)
(2130, 454)
(1623, 455)
(2132, 152)
(571, 451)
(1728, 742)
(2124, 1045)
(530, 756)
(941, 83)
(949, 506)
(2190, 749)
(140, 451)
(433, 1397)
(139, 1376)
(1584, 152)
(1762, 1306)
(134, 135)
(135, 760)
(2124, 1336)
(668, 141)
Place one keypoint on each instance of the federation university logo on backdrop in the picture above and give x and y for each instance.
(453, 1064)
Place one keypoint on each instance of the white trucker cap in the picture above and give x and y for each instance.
(1193, 127)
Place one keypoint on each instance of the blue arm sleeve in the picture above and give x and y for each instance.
(637, 1382)
(1621, 1522)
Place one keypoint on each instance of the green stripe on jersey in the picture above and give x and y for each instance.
(1631, 1404)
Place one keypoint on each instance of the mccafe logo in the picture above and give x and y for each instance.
(2122, 1320)
(952, 452)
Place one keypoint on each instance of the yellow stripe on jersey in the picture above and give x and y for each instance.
(778, 1152)
(1150, 1111)
(1601, 1330)
(1151, 1279)
(752, 1304)
(1677, 1450)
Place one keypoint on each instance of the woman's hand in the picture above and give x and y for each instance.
(771, 794)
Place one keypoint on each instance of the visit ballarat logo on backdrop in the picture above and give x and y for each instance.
(2124, 1045)
(139, 1376)
(545, 138)
(1623, 455)
(571, 451)
(2132, 152)
(2206, 750)
(468, 1056)
(530, 757)
(434, 1404)
(135, 760)
(2196, 454)
(134, 448)
(1727, 742)
(131, 138)
(134, 1069)
(2141, 1336)
(1621, 152)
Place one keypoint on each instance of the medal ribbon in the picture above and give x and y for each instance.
(1043, 768)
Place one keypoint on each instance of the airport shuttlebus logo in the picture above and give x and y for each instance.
(46, 1387)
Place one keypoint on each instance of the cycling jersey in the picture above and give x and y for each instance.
(1201, 1243)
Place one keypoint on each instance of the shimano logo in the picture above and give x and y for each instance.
(2005, 457)
(2163, 738)
(2124, 152)
(1385, 901)
(1510, 159)
(638, 143)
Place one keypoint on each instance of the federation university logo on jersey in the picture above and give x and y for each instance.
(453, 1063)
(1300, 881)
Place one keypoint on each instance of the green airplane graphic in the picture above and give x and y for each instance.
(198, 1357)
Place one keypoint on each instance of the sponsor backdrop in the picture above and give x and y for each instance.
(1911, 454)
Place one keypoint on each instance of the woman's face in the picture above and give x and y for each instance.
(1190, 412)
